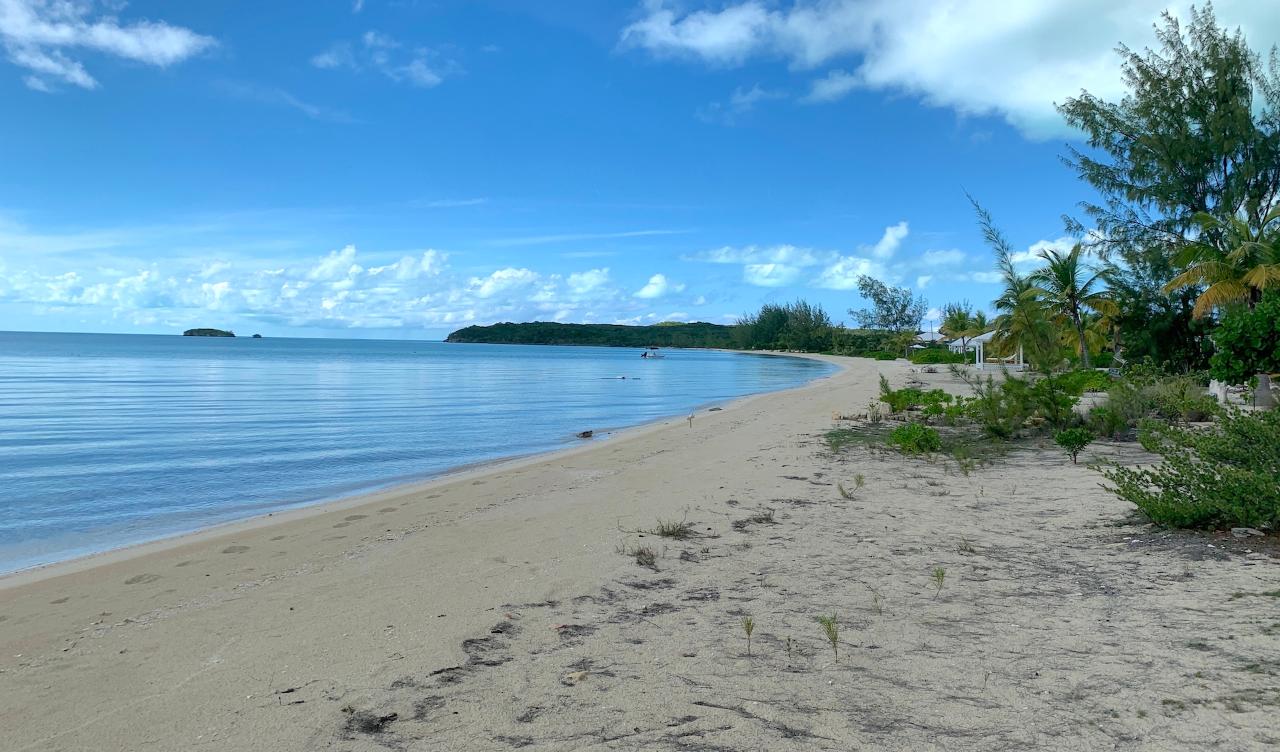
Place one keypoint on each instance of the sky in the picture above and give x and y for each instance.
(403, 168)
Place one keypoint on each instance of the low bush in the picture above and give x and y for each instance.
(899, 400)
(1080, 381)
(936, 356)
(914, 438)
(1226, 476)
(1073, 440)
(884, 355)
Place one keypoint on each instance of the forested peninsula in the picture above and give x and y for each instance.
(697, 334)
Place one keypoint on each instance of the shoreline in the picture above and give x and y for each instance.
(377, 494)
(535, 606)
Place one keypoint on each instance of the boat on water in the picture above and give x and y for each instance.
(651, 353)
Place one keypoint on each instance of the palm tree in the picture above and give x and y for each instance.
(1071, 288)
(1021, 319)
(957, 321)
(1236, 269)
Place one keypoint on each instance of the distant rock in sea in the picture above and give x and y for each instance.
(208, 333)
(257, 336)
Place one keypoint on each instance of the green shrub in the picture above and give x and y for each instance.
(1073, 440)
(1182, 398)
(1081, 380)
(1104, 421)
(936, 355)
(1228, 476)
(1247, 342)
(914, 438)
(884, 355)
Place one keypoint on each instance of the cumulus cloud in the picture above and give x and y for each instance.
(978, 57)
(782, 265)
(588, 282)
(889, 242)
(421, 67)
(42, 36)
(340, 289)
(657, 287)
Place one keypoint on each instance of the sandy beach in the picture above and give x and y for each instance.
(502, 608)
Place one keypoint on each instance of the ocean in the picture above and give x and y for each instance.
(110, 440)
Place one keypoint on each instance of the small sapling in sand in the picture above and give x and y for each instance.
(939, 577)
(1074, 440)
(748, 626)
(831, 629)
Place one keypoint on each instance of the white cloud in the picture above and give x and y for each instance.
(844, 273)
(976, 56)
(889, 242)
(585, 283)
(923, 281)
(357, 6)
(740, 103)
(503, 281)
(948, 257)
(769, 275)
(279, 97)
(418, 66)
(38, 35)
(657, 287)
(835, 85)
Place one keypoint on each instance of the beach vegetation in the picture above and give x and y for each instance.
(1184, 168)
(1073, 441)
(936, 356)
(1226, 475)
(831, 630)
(748, 626)
(678, 529)
(915, 438)
(645, 556)
(939, 576)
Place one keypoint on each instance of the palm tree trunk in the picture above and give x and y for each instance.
(1084, 346)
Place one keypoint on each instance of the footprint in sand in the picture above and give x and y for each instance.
(60, 601)
(343, 524)
(278, 538)
(334, 537)
(188, 562)
(354, 517)
(235, 549)
(141, 579)
(386, 510)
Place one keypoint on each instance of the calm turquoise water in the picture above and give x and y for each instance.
(108, 440)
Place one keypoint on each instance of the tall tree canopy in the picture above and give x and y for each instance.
(894, 309)
(1198, 133)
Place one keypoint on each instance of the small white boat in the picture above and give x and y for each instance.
(651, 353)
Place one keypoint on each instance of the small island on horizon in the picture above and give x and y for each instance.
(208, 333)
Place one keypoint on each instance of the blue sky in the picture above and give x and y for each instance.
(401, 168)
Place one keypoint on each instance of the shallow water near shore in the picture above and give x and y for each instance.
(111, 440)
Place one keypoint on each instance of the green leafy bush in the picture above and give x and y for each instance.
(914, 438)
(1247, 342)
(884, 355)
(1104, 421)
(1228, 476)
(936, 355)
(1074, 440)
(1084, 380)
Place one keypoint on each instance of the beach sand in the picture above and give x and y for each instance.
(493, 610)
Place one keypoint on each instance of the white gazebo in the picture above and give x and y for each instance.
(931, 337)
(979, 343)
